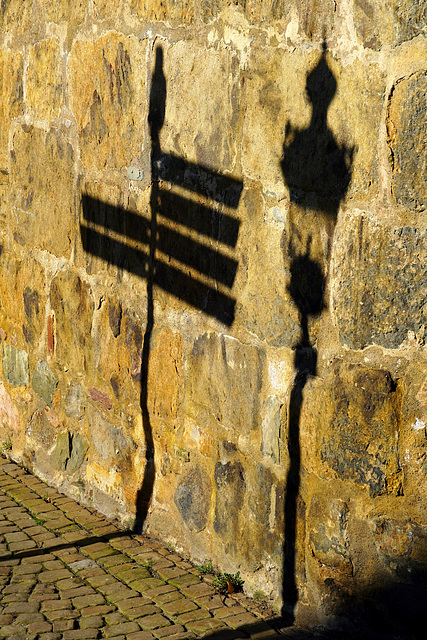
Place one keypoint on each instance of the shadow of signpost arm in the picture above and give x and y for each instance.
(183, 248)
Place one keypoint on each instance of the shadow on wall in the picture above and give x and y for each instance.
(186, 266)
(317, 171)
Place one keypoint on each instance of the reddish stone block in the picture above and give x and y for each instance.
(50, 335)
(99, 396)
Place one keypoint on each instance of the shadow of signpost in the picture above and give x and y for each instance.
(317, 171)
(185, 265)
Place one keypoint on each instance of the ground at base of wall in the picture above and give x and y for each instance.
(67, 572)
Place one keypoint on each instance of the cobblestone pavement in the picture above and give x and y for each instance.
(66, 572)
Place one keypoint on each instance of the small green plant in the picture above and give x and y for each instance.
(39, 521)
(148, 563)
(228, 582)
(6, 445)
(171, 547)
(259, 596)
(206, 567)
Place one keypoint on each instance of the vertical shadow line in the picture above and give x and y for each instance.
(156, 116)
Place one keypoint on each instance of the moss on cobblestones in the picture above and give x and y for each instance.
(80, 585)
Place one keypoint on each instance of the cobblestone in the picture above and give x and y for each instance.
(153, 622)
(21, 607)
(91, 622)
(39, 627)
(121, 628)
(169, 596)
(192, 616)
(140, 635)
(167, 632)
(67, 573)
(176, 607)
(204, 625)
(62, 614)
(102, 610)
(63, 625)
(54, 605)
(138, 612)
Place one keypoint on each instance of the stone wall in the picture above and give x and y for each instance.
(213, 281)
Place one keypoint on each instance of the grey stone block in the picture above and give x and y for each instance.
(15, 365)
(44, 382)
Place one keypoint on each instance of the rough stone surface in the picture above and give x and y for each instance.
(392, 258)
(359, 440)
(71, 298)
(165, 375)
(315, 17)
(42, 191)
(44, 81)
(389, 23)
(109, 442)
(15, 365)
(192, 499)
(9, 414)
(33, 307)
(373, 23)
(11, 72)
(215, 146)
(212, 298)
(231, 487)
(238, 367)
(61, 453)
(410, 19)
(407, 123)
(328, 538)
(72, 15)
(107, 81)
(79, 447)
(170, 11)
(39, 431)
(271, 424)
(44, 382)
(23, 305)
(75, 401)
(355, 119)
(108, 202)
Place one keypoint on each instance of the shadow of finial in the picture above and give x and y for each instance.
(324, 43)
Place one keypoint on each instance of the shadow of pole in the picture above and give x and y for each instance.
(317, 171)
(210, 223)
(306, 288)
(156, 119)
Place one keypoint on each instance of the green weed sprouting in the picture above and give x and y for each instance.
(206, 567)
(223, 582)
(228, 582)
(6, 445)
(147, 564)
(259, 596)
